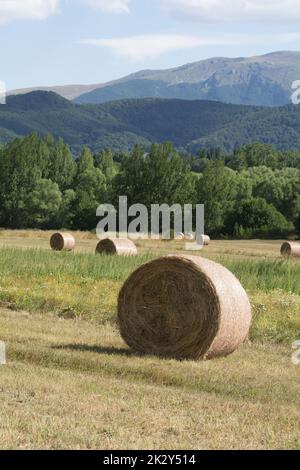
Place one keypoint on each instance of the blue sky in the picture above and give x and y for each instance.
(56, 42)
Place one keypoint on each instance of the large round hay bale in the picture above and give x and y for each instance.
(117, 246)
(62, 242)
(290, 249)
(184, 307)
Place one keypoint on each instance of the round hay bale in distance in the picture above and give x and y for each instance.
(179, 236)
(62, 242)
(206, 240)
(189, 237)
(290, 249)
(117, 246)
(184, 307)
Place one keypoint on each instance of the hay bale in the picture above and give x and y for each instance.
(206, 240)
(62, 242)
(290, 249)
(189, 237)
(184, 307)
(179, 236)
(117, 246)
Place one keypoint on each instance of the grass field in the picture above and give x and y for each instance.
(71, 382)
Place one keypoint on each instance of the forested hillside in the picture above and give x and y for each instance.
(119, 125)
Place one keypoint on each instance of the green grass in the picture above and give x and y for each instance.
(84, 285)
(36, 263)
(71, 382)
(264, 275)
(66, 284)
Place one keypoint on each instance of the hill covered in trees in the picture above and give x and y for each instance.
(254, 192)
(119, 125)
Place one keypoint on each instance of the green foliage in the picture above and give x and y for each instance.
(22, 164)
(42, 186)
(104, 160)
(44, 202)
(159, 177)
(41, 280)
(62, 167)
(190, 125)
(216, 189)
(253, 155)
(90, 188)
(255, 218)
(66, 212)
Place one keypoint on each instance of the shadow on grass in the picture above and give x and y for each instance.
(99, 350)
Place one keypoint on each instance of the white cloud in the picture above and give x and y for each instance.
(234, 10)
(152, 45)
(109, 6)
(137, 48)
(14, 10)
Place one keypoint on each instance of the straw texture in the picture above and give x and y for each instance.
(184, 307)
(117, 246)
(290, 249)
(62, 242)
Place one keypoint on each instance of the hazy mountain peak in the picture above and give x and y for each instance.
(258, 80)
(261, 80)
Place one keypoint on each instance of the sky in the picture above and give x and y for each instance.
(58, 42)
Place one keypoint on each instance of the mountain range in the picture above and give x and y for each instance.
(190, 125)
(261, 81)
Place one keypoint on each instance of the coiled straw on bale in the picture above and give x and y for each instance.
(290, 249)
(117, 246)
(184, 307)
(62, 242)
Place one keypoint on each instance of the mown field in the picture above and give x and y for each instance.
(71, 382)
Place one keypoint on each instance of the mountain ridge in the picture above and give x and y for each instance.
(119, 125)
(259, 80)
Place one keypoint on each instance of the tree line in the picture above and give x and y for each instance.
(255, 192)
